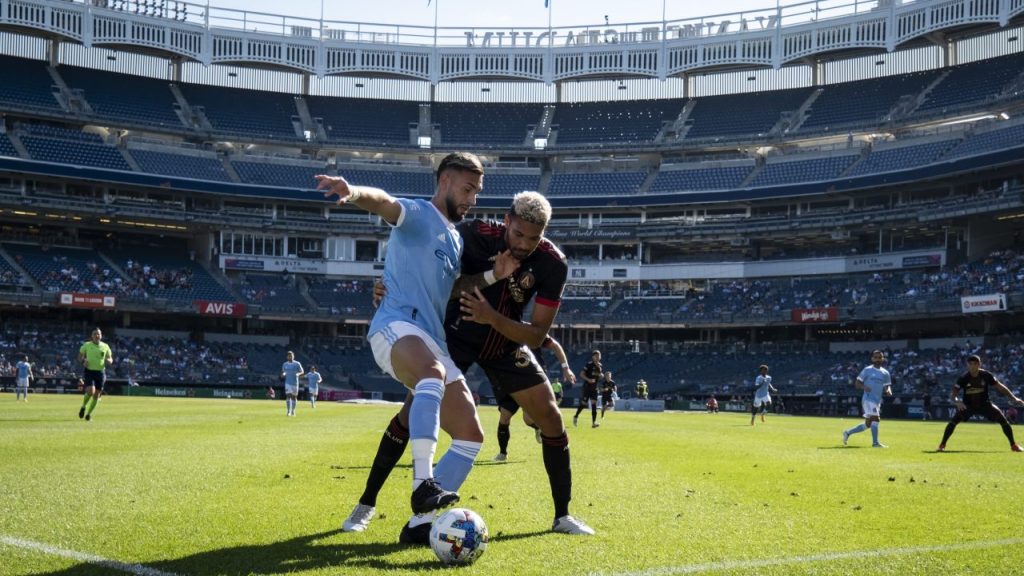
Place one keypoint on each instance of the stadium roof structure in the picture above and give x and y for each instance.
(774, 37)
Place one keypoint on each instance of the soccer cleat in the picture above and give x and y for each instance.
(415, 535)
(879, 445)
(941, 448)
(569, 525)
(88, 417)
(500, 457)
(359, 519)
(1016, 448)
(81, 412)
(575, 420)
(595, 424)
(846, 436)
(430, 496)
(536, 434)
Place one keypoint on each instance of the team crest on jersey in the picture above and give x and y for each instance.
(527, 280)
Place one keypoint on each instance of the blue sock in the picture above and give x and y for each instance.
(858, 428)
(874, 432)
(424, 424)
(454, 466)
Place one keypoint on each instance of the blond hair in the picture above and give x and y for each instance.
(532, 207)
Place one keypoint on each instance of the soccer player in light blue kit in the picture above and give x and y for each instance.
(874, 381)
(407, 334)
(291, 371)
(762, 393)
(313, 381)
(23, 373)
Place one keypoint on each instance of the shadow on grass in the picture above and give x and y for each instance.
(841, 447)
(948, 451)
(340, 467)
(294, 555)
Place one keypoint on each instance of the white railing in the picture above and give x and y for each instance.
(770, 36)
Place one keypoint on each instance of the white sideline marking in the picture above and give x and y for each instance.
(823, 557)
(137, 569)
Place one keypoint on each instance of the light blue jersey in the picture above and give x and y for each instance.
(876, 379)
(313, 379)
(291, 373)
(422, 263)
(24, 369)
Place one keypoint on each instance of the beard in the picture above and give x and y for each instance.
(453, 210)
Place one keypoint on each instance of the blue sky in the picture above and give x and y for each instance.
(497, 13)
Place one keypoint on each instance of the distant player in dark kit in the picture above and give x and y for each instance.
(608, 393)
(591, 374)
(975, 385)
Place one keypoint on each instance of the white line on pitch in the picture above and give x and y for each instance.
(137, 569)
(823, 557)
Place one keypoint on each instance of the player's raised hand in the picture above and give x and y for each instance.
(331, 185)
(475, 307)
(505, 264)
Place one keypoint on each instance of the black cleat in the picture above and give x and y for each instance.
(429, 496)
(81, 412)
(415, 536)
(88, 417)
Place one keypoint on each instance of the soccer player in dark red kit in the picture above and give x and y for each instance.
(975, 385)
(592, 374)
(484, 325)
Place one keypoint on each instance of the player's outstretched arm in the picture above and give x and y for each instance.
(556, 347)
(954, 397)
(371, 199)
(1005, 391)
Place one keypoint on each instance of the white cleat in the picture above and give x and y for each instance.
(500, 457)
(359, 519)
(846, 436)
(569, 525)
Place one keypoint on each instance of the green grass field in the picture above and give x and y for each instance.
(209, 487)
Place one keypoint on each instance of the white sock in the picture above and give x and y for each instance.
(420, 519)
(422, 460)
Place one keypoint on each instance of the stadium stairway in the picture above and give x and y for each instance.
(303, 288)
(129, 159)
(15, 141)
(225, 160)
(801, 113)
(26, 277)
(864, 153)
(218, 275)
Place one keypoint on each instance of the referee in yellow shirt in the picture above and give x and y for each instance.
(95, 356)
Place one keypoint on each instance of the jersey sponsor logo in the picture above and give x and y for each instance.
(450, 268)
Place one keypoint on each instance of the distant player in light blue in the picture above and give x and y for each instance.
(291, 371)
(22, 376)
(762, 393)
(313, 381)
(874, 381)
(407, 334)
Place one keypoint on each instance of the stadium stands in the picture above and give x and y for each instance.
(27, 86)
(811, 170)
(970, 84)
(634, 121)
(363, 120)
(888, 159)
(272, 292)
(736, 114)
(698, 178)
(246, 113)
(484, 125)
(68, 146)
(864, 102)
(172, 163)
(6, 148)
(277, 173)
(125, 98)
(595, 183)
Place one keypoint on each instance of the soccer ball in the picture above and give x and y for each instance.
(459, 536)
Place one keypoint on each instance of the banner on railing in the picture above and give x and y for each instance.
(983, 303)
(805, 315)
(76, 300)
(208, 308)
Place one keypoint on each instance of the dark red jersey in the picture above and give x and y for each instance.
(541, 275)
